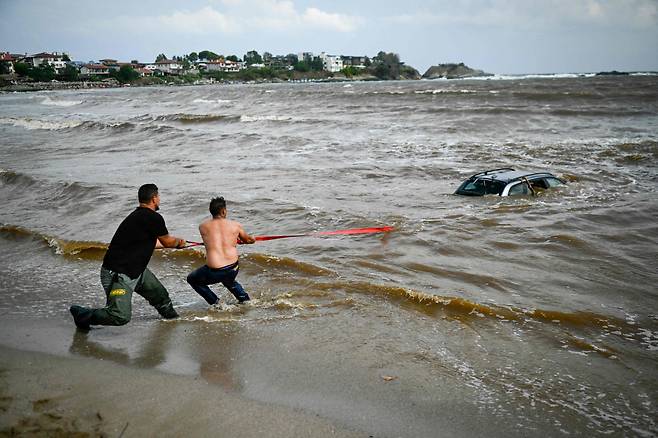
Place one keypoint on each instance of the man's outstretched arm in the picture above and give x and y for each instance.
(243, 237)
(169, 241)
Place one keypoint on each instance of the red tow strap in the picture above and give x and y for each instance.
(319, 233)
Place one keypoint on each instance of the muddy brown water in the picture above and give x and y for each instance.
(538, 312)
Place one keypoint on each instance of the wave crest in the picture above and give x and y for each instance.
(64, 103)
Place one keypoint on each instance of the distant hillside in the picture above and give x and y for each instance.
(453, 71)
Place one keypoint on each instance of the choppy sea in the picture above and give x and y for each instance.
(537, 312)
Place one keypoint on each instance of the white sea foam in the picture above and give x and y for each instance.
(445, 90)
(48, 101)
(29, 123)
(510, 77)
(212, 102)
(264, 118)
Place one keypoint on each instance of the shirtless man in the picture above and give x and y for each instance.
(220, 237)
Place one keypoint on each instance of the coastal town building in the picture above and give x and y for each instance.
(7, 62)
(223, 65)
(56, 60)
(354, 61)
(331, 63)
(305, 57)
(89, 70)
(187, 65)
(169, 66)
(144, 72)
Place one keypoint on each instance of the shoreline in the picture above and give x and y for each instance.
(189, 377)
(26, 87)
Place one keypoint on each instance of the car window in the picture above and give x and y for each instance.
(553, 182)
(475, 187)
(539, 184)
(494, 187)
(520, 188)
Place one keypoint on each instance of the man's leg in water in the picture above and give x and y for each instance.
(199, 280)
(237, 291)
(118, 309)
(235, 287)
(156, 294)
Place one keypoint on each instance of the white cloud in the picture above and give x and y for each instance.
(337, 22)
(239, 16)
(204, 21)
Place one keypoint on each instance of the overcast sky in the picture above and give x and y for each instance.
(498, 36)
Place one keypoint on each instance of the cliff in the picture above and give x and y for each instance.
(453, 71)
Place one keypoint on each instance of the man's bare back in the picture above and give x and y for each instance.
(220, 236)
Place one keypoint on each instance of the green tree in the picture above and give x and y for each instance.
(65, 57)
(302, 66)
(125, 74)
(252, 57)
(70, 73)
(21, 68)
(160, 57)
(316, 64)
(232, 58)
(207, 54)
(43, 73)
(350, 71)
(193, 57)
(387, 65)
(4, 68)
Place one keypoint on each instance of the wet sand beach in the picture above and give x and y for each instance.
(50, 396)
(191, 378)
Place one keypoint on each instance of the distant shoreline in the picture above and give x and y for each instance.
(90, 85)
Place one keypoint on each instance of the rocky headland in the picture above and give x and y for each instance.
(453, 71)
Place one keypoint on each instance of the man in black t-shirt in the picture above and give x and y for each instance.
(124, 268)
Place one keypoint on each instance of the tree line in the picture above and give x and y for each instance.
(266, 66)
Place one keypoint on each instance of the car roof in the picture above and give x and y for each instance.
(507, 174)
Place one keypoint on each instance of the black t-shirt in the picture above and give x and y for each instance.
(134, 241)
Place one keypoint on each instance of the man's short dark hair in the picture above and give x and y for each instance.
(146, 193)
(216, 205)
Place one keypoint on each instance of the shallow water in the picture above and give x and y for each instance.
(538, 312)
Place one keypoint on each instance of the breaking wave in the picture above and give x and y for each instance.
(82, 249)
(265, 118)
(212, 101)
(320, 286)
(192, 118)
(33, 124)
(64, 103)
(60, 125)
(58, 194)
(12, 178)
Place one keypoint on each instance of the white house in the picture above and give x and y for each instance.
(54, 59)
(143, 71)
(169, 66)
(224, 65)
(8, 60)
(94, 70)
(331, 63)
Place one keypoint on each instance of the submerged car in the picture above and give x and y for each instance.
(508, 182)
